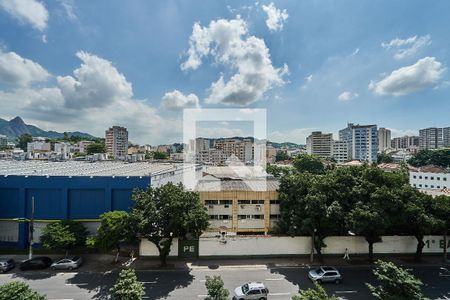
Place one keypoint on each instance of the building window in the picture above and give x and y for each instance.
(431, 178)
(420, 185)
(257, 201)
(274, 201)
(244, 201)
(438, 178)
(420, 177)
(211, 202)
(426, 177)
(225, 202)
(275, 217)
(414, 176)
(445, 178)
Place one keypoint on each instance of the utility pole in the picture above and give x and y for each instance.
(311, 258)
(31, 230)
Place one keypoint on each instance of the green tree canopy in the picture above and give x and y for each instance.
(395, 283)
(127, 286)
(162, 213)
(431, 157)
(384, 158)
(309, 163)
(64, 235)
(282, 155)
(160, 155)
(316, 293)
(23, 140)
(216, 290)
(17, 290)
(95, 148)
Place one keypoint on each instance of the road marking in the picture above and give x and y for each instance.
(202, 280)
(345, 292)
(148, 282)
(202, 296)
(81, 284)
(279, 294)
(274, 279)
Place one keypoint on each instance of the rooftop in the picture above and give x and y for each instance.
(209, 184)
(431, 169)
(81, 168)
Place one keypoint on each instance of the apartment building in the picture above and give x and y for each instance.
(434, 138)
(362, 141)
(430, 177)
(116, 141)
(318, 143)
(384, 139)
(242, 149)
(405, 142)
(3, 141)
(239, 206)
(339, 151)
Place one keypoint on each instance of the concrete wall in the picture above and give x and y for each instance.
(147, 248)
(263, 246)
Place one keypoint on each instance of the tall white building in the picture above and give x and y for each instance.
(116, 142)
(362, 141)
(430, 177)
(318, 143)
(339, 151)
(384, 139)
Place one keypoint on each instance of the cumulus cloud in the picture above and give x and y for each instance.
(16, 70)
(177, 101)
(407, 47)
(105, 98)
(229, 43)
(94, 84)
(275, 17)
(347, 96)
(32, 12)
(424, 73)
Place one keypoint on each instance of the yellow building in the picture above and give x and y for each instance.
(240, 206)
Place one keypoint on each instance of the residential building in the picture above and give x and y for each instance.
(82, 145)
(116, 142)
(430, 177)
(405, 142)
(434, 138)
(241, 148)
(362, 141)
(38, 146)
(3, 141)
(384, 139)
(318, 143)
(339, 151)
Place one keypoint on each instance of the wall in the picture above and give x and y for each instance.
(147, 248)
(264, 246)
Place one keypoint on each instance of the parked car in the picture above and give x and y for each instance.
(251, 290)
(36, 263)
(6, 264)
(68, 263)
(325, 274)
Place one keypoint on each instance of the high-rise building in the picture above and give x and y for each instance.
(362, 141)
(241, 148)
(434, 138)
(405, 142)
(384, 139)
(3, 141)
(339, 151)
(116, 142)
(318, 143)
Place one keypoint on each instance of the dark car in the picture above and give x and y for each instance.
(6, 264)
(36, 263)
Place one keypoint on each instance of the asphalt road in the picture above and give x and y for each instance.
(283, 282)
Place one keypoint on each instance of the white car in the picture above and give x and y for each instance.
(251, 290)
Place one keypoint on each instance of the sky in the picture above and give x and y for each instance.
(313, 65)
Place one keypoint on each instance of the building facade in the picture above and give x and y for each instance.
(430, 177)
(318, 143)
(340, 151)
(116, 142)
(3, 141)
(362, 141)
(434, 138)
(405, 142)
(384, 139)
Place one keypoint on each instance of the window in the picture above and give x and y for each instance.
(426, 177)
(243, 201)
(445, 178)
(432, 186)
(438, 178)
(431, 178)
(414, 176)
(254, 292)
(420, 185)
(275, 217)
(211, 202)
(420, 177)
(274, 201)
(257, 201)
(258, 217)
(225, 202)
(220, 217)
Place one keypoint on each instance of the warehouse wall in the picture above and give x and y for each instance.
(63, 197)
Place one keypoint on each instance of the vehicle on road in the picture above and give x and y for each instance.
(36, 263)
(251, 290)
(68, 263)
(325, 274)
(6, 264)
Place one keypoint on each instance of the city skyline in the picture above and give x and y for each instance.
(300, 61)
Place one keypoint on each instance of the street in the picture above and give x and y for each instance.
(282, 282)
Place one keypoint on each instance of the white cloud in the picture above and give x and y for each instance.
(407, 47)
(424, 73)
(108, 101)
(177, 101)
(229, 43)
(16, 70)
(68, 8)
(275, 17)
(296, 135)
(347, 96)
(94, 84)
(32, 12)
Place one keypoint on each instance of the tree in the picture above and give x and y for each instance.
(95, 148)
(395, 283)
(127, 286)
(215, 288)
(16, 290)
(441, 211)
(282, 155)
(316, 293)
(384, 158)
(162, 213)
(431, 157)
(309, 163)
(23, 140)
(115, 228)
(278, 171)
(160, 155)
(64, 235)
(369, 221)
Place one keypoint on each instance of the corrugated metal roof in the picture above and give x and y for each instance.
(237, 185)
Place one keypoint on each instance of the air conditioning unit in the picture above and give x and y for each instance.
(258, 207)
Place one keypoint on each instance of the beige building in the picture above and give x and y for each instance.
(116, 142)
(339, 151)
(384, 139)
(319, 144)
(240, 206)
